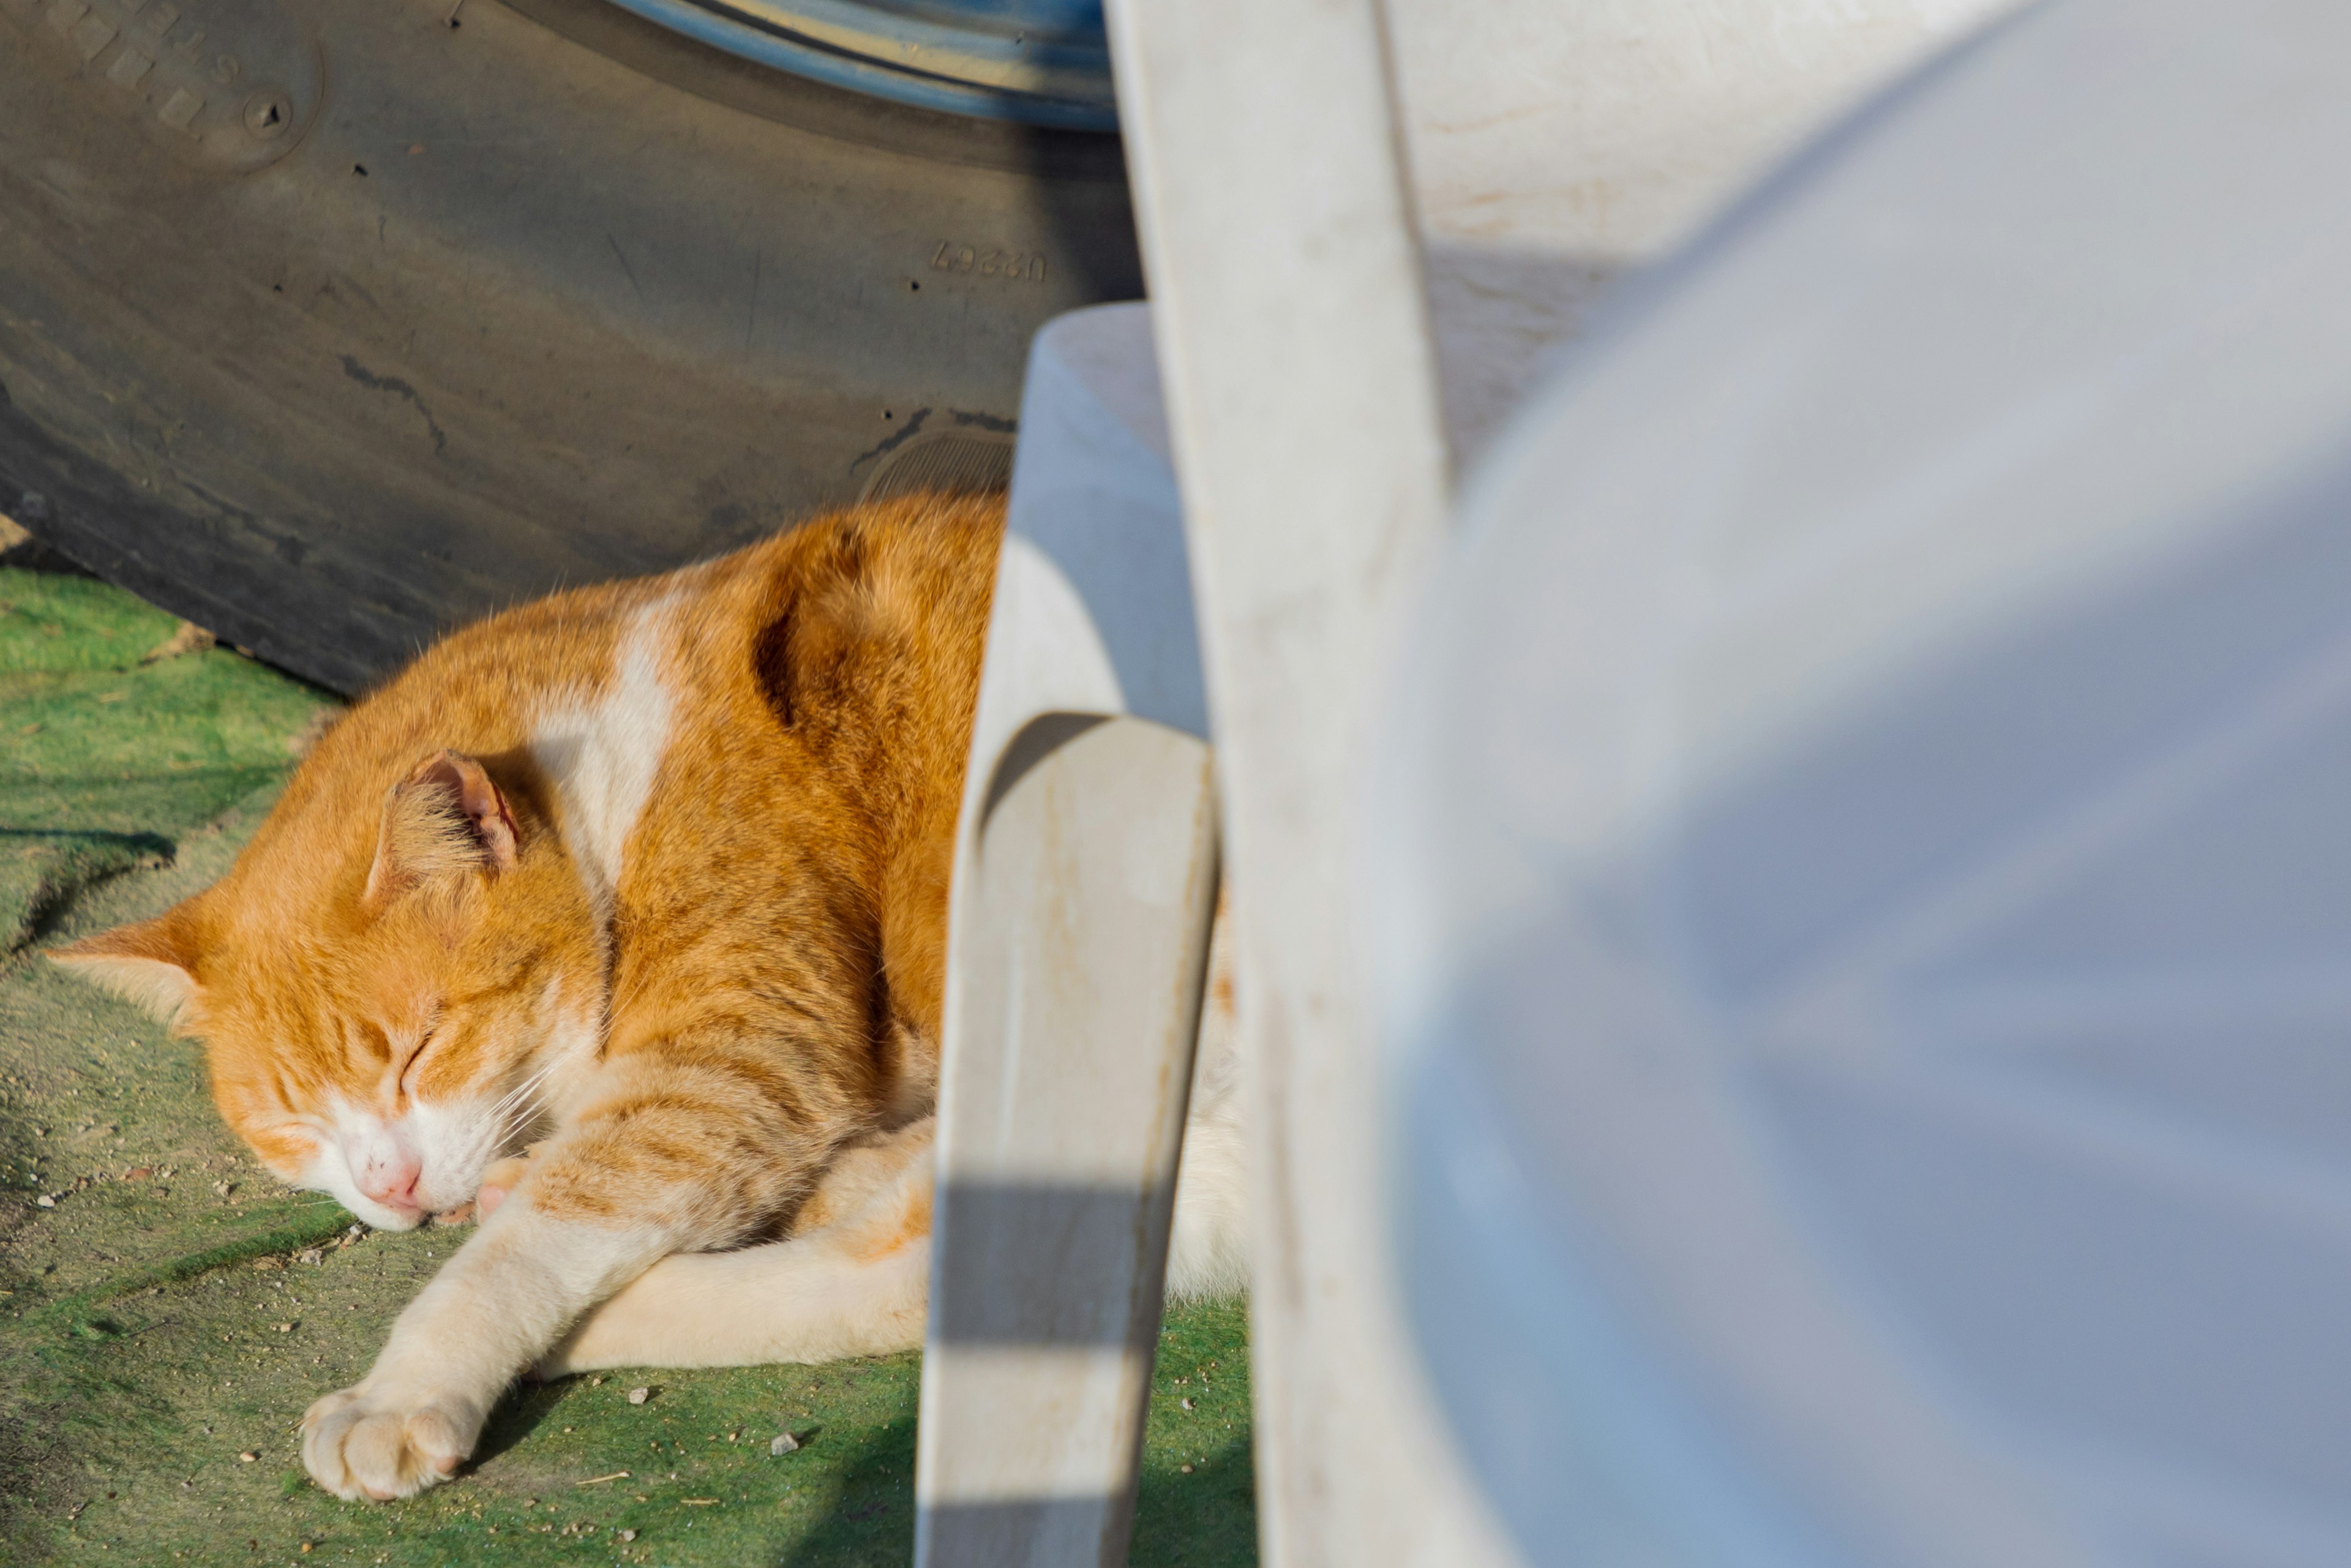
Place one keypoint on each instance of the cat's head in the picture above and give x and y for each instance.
(382, 999)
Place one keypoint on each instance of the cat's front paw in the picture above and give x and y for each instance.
(362, 1442)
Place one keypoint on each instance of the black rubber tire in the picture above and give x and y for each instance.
(426, 306)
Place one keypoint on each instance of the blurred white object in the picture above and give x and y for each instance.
(1862, 867)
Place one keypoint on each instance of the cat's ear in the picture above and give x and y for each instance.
(151, 962)
(447, 816)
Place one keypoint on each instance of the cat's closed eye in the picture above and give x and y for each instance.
(413, 1064)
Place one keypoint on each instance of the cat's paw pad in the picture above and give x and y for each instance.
(497, 1181)
(502, 1177)
(358, 1443)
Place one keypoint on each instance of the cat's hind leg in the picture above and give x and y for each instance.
(804, 1299)
(856, 1282)
(855, 1278)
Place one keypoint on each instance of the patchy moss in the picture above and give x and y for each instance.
(141, 1349)
(104, 760)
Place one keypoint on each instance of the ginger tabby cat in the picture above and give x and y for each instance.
(652, 877)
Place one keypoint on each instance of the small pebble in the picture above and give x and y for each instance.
(46, 1201)
(284, 1328)
(783, 1443)
(639, 1395)
(1186, 1468)
(1187, 1404)
(627, 1535)
(248, 1456)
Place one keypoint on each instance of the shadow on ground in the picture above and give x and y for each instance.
(1198, 1496)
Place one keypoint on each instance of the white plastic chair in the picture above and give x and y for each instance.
(1275, 148)
(1085, 880)
(1267, 144)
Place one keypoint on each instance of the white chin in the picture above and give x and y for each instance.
(376, 1217)
(442, 1203)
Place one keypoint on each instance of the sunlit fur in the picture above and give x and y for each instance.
(745, 899)
(652, 874)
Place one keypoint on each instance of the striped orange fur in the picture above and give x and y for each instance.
(656, 871)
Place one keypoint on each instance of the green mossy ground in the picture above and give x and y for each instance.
(176, 1309)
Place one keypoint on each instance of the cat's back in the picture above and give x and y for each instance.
(841, 660)
(859, 633)
(812, 700)
(841, 655)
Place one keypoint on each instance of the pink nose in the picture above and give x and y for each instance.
(391, 1183)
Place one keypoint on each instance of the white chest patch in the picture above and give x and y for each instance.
(604, 754)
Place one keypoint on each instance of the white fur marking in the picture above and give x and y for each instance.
(604, 754)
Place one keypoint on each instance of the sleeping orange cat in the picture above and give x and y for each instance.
(652, 876)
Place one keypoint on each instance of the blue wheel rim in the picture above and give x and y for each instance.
(1038, 62)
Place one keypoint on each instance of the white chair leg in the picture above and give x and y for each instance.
(1078, 949)
(1302, 393)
